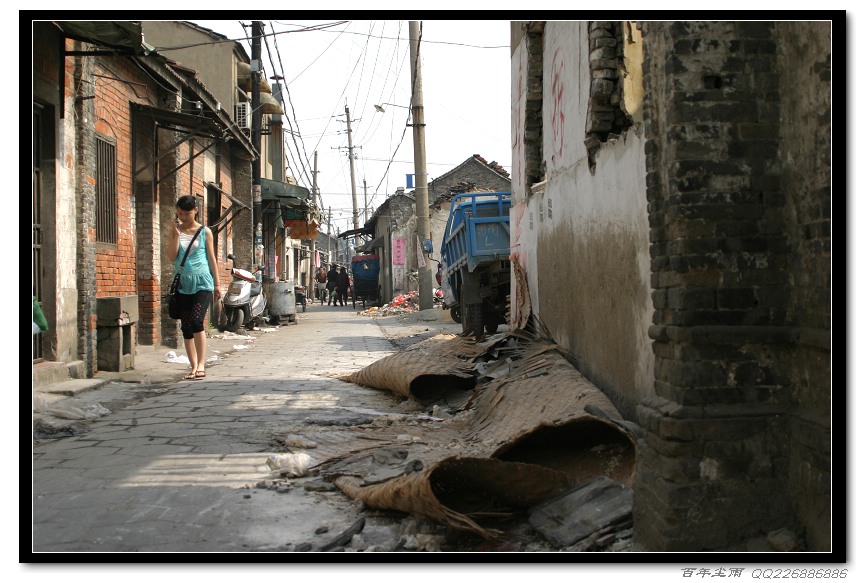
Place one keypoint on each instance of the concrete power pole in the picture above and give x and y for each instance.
(421, 196)
(351, 167)
(314, 201)
(257, 31)
(365, 204)
(329, 255)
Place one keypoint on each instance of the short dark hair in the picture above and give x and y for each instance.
(187, 202)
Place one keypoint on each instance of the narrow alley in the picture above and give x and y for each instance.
(177, 471)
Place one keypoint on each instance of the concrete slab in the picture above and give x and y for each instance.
(73, 387)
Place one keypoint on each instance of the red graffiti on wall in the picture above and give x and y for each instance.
(557, 123)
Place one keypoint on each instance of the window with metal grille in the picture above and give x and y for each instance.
(106, 192)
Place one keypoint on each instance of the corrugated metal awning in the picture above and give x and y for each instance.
(283, 192)
(122, 36)
(378, 242)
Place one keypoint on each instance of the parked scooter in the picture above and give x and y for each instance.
(243, 303)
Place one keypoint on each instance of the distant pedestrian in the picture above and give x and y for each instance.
(342, 284)
(332, 276)
(321, 284)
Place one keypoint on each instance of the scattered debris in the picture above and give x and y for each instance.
(345, 538)
(298, 441)
(47, 428)
(319, 486)
(784, 540)
(401, 304)
(68, 409)
(175, 358)
(292, 465)
(583, 512)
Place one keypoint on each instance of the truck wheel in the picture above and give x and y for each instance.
(234, 319)
(491, 322)
(463, 320)
(474, 317)
(455, 314)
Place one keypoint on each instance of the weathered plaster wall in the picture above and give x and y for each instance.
(583, 236)
(213, 61)
(65, 269)
(60, 243)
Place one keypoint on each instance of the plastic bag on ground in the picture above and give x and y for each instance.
(172, 356)
(291, 465)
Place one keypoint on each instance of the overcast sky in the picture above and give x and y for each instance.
(465, 73)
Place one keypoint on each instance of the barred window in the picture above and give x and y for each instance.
(106, 192)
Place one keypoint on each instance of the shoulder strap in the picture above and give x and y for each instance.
(189, 247)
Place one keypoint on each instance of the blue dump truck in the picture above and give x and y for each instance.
(476, 270)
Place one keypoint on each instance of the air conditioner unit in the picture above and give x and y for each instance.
(242, 115)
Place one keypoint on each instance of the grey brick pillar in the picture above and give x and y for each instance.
(713, 469)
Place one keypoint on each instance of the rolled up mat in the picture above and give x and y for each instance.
(425, 370)
(545, 412)
(460, 491)
(532, 434)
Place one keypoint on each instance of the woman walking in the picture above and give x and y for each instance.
(199, 280)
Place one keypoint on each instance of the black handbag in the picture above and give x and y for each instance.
(173, 304)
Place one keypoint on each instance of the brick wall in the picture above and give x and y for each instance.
(805, 55)
(116, 264)
(715, 467)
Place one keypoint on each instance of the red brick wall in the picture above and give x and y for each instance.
(117, 83)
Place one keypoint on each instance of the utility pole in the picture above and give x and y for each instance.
(421, 196)
(365, 204)
(351, 167)
(314, 199)
(329, 256)
(255, 78)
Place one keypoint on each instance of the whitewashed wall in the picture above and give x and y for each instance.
(583, 237)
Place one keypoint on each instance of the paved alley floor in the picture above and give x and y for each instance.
(176, 468)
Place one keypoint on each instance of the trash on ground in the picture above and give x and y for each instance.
(579, 513)
(345, 537)
(175, 358)
(230, 336)
(401, 304)
(504, 434)
(69, 409)
(240, 346)
(446, 491)
(292, 465)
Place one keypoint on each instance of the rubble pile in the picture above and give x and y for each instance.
(401, 304)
